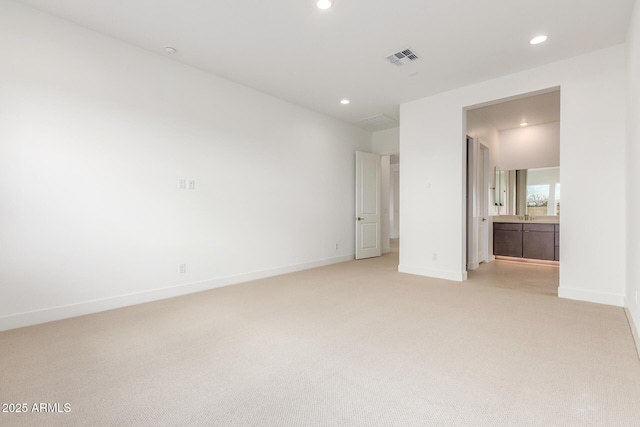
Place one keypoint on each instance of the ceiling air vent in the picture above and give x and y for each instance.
(379, 122)
(403, 57)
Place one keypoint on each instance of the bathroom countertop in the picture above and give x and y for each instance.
(520, 219)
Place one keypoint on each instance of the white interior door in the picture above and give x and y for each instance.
(477, 203)
(368, 218)
(472, 205)
(483, 179)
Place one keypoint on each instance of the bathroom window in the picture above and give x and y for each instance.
(537, 199)
(543, 199)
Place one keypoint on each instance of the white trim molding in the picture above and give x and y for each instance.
(19, 320)
(591, 296)
(634, 330)
(437, 274)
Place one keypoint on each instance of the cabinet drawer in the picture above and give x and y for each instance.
(538, 227)
(507, 226)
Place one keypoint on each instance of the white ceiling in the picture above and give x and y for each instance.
(534, 110)
(293, 50)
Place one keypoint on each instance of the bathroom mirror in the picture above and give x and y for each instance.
(499, 188)
(533, 192)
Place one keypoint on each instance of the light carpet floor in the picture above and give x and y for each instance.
(352, 344)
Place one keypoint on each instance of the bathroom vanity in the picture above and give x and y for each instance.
(530, 239)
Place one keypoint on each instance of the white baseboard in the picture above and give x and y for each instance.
(35, 317)
(591, 296)
(438, 274)
(634, 328)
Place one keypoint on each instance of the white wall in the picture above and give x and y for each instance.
(530, 147)
(478, 128)
(633, 171)
(94, 137)
(386, 141)
(432, 239)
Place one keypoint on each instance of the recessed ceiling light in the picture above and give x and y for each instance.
(345, 102)
(538, 40)
(524, 124)
(324, 4)
(170, 50)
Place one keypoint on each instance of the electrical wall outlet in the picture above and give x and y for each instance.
(192, 184)
(183, 268)
(434, 257)
(337, 246)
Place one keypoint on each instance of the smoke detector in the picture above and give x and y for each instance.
(403, 57)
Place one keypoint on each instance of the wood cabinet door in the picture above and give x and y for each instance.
(538, 245)
(507, 242)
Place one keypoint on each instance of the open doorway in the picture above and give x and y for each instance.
(521, 136)
(390, 203)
